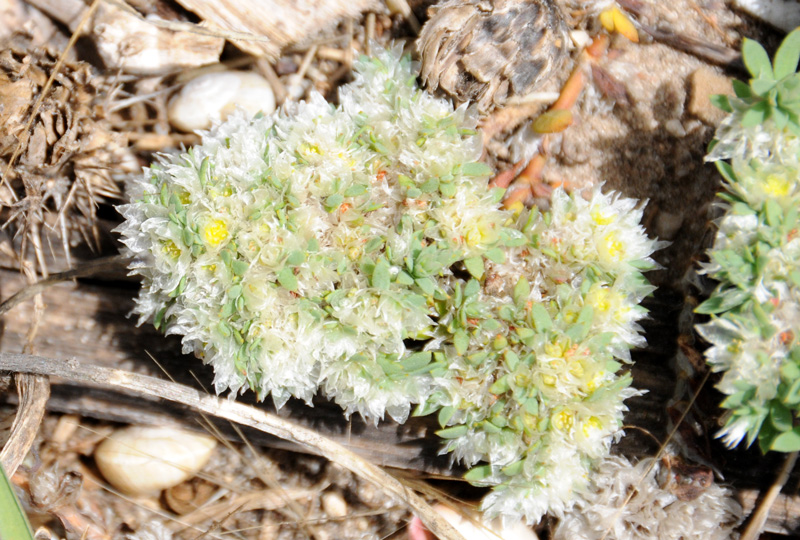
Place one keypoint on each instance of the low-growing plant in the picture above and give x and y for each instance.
(755, 309)
(357, 251)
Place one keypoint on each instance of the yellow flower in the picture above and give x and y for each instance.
(611, 248)
(599, 298)
(595, 381)
(602, 216)
(563, 420)
(776, 185)
(592, 424)
(215, 232)
(171, 249)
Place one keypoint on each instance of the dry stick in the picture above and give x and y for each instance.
(89, 269)
(657, 456)
(235, 412)
(759, 516)
(33, 390)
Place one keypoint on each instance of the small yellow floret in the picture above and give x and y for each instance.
(776, 186)
(592, 424)
(554, 349)
(611, 247)
(599, 299)
(594, 384)
(215, 232)
(576, 368)
(564, 420)
(171, 249)
(602, 217)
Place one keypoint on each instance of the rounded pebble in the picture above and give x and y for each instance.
(143, 460)
(212, 97)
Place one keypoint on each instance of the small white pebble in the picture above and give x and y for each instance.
(142, 460)
(334, 504)
(675, 128)
(212, 97)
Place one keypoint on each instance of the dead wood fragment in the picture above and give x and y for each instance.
(134, 45)
(761, 512)
(714, 54)
(281, 22)
(235, 412)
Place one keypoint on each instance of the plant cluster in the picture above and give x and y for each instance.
(755, 308)
(654, 509)
(357, 251)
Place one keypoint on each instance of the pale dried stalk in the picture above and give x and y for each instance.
(760, 515)
(235, 412)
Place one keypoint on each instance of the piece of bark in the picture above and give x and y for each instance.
(135, 45)
(276, 23)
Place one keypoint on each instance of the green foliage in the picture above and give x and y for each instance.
(774, 89)
(13, 522)
(755, 309)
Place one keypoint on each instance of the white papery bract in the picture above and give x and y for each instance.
(626, 502)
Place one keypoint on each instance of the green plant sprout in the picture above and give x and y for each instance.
(13, 521)
(755, 309)
(357, 251)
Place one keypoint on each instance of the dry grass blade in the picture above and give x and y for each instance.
(235, 412)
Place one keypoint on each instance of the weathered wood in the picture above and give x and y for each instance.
(240, 413)
(281, 22)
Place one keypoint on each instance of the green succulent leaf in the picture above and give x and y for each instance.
(788, 55)
(756, 59)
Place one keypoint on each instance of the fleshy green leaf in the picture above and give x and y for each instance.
(522, 291)
(788, 55)
(453, 432)
(541, 318)
(476, 169)
(474, 266)
(780, 416)
(461, 342)
(445, 414)
(721, 101)
(287, 279)
(478, 474)
(381, 277)
(756, 59)
(788, 441)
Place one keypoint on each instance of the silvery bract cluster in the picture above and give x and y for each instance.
(357, 251)
(653, 511)
(756, 258)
